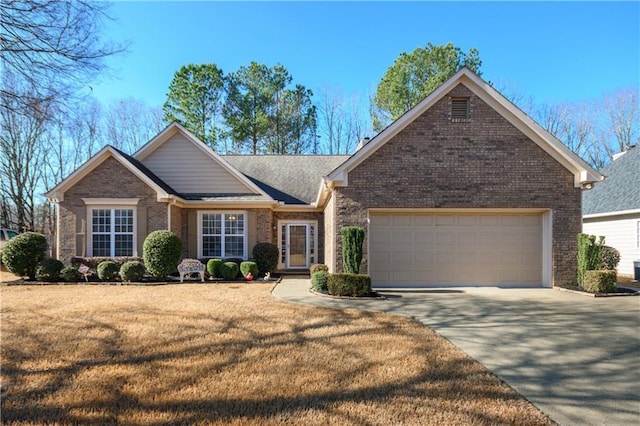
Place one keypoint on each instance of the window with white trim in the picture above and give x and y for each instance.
(112, 232)
(223, 234)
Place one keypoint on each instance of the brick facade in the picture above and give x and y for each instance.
(483, 162)
(108, 180)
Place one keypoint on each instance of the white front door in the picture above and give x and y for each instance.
(298, 244)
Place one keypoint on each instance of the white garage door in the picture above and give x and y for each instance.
(455, 249)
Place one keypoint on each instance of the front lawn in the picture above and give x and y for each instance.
(231, 354)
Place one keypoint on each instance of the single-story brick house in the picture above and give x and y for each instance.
(612, 208)
(464, 189)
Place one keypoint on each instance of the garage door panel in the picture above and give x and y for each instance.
(455, 249)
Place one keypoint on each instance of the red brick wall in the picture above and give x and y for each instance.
(484, 162)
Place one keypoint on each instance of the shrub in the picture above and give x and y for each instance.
(319, 280)
(23, 253)
(600, 281)
(229, 270)
(266, 257)
(94, 261)
(132, 271)
(213, 267)
(49, 270)
(355, 285)
(161, 253)
(317, 268)
(70, 274)
(589, 255)
(610, 258)
(247, 268)
(352, 239)
(107, 270)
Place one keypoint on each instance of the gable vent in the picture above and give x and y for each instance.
(459, 109)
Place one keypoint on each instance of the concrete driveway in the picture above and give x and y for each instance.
(576, 358)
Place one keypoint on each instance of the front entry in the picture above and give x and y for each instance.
(298, 244)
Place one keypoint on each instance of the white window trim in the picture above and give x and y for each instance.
(104, 206)
(310, 223)
(111, 202)
(224, 212)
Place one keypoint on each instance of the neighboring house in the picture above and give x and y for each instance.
(464, 189)
(612, 208)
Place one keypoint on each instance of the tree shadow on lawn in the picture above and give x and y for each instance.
(145, 365)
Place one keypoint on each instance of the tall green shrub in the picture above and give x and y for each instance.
(266, 257)
(352, 240)
(23, 253)
(161, 253)
(589, 255)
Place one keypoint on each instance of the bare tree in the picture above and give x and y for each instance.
(340, 121)
(130, 123)
(51, 46)
(623, 114)
(24, 122)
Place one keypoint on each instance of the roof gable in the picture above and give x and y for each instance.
(190, 167)
(620, 192)
(583, 173)
(163, 191)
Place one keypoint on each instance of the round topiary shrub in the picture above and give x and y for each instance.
(23, 253)
(161, 253)
(213, 268)
(132, 271)
(49, 270)
(247, 268)
(229, 270)
(317, 268)
(610, 258)
(70, 274)
(107, 270)
(319, 281)
(266, 257)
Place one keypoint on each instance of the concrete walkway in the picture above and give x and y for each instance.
(576, 358)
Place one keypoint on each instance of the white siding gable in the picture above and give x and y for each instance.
(187, 169)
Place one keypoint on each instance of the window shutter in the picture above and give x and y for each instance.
(192, 234)
(252, 232)
(141, 228)
(81, 232)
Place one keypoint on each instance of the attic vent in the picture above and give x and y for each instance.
(459, 109)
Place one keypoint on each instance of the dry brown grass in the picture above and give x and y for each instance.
(231, 354)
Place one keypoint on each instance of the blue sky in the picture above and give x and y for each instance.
(552, 51)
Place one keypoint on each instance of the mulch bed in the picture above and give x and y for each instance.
(619, 291)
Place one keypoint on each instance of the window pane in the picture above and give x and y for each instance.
(101, 220)
(211, 246)
(234, 247)
(234, 224)
(211, 224)
(123, 220)
(102, 245)
(124, 245)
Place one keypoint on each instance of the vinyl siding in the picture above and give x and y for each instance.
(187, 169)
(621, 233)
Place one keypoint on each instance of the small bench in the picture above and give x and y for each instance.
(191, 266)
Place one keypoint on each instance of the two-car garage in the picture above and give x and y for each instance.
(467, 248)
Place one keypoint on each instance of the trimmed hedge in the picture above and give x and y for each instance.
(23, 253)
(93, 262)
(247, 268)
(213, 267)
(317, 268)
(319, 280)
(266, 257)
(70, 274)
(107, 270)
(355, 285)
(600, 281)
(132, 271)
(229, 270)
(49, 270)
(161, 252)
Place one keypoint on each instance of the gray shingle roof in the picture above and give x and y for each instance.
(294, 179)
(620, 190)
